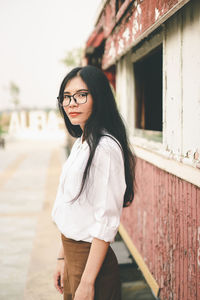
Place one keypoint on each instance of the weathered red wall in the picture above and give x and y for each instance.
(164, 224)
(121, 29)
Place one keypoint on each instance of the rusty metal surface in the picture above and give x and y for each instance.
(164, 224)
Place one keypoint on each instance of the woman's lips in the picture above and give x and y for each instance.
(74, 114)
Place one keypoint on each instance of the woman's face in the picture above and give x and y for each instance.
(78, 114)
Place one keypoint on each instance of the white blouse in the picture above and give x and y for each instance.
(97, 211)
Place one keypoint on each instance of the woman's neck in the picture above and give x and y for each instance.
(82, 138)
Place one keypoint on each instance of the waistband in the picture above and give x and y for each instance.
(66, 239)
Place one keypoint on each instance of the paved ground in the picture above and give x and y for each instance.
(29, 174)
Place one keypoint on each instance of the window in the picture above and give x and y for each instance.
(148, 89)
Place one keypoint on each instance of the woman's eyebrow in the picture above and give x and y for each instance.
(76, 91)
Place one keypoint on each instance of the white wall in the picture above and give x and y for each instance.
(124, 91)
(180, 37)
(182, 81)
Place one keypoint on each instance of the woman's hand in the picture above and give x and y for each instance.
(85, 291)
(58, 276)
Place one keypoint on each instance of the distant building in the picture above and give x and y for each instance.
(150, 51)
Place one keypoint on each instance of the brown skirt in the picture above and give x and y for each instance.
(107, 284)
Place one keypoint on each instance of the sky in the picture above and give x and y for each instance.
(35, 36)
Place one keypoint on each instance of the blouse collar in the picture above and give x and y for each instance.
(82, 144)
(81, 138)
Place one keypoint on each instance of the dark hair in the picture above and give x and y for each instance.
(100, 119)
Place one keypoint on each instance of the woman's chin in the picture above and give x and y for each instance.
(74, 122)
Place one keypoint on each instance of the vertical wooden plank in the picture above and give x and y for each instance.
(151, 220)
(190, 231)
(185, 244)
(190, 65)
(167, 254)
(173, 65)
(168, 241)
(154, 222)
(171, 241)
(177, 240)
(165, 250)
(181, 250)
(198, 243)
(173, 246)
(194, 240)
(162, 220)
(156, 225)
(158, 221)
(161, 223)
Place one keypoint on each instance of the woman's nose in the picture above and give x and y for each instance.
(72, 102)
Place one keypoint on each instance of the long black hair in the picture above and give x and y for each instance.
(108, 119)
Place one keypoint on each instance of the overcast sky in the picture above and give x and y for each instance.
(34, 36)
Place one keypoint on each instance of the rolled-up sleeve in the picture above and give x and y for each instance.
(107, 190)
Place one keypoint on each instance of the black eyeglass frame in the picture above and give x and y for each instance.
(72, 96)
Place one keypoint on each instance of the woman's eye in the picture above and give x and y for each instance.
(82, 95)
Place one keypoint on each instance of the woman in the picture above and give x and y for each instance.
(96, 182)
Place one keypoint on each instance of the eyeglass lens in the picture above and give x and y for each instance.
(79, 98)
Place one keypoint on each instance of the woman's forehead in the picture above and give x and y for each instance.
(75, 84)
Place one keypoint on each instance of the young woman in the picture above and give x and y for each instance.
(96, 182)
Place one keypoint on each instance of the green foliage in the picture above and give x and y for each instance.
(1, 127)
(1, 130)
(73, 58)
(14, 92)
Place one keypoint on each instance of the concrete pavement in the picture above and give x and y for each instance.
(29, 174)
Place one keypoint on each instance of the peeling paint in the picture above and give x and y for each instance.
(135, 27)
(139, 10)
(198, 249)
(112, 51)
(120, 46)
(140, 17)
(126, 34)
(164, 225)
(157, 13)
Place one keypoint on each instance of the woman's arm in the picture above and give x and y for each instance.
(59, 271)
(61, 251)
(95, 260)
(98, 250)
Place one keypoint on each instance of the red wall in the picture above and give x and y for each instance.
(124, 28)
(164, 223)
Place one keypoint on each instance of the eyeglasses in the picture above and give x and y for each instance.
(79, 98)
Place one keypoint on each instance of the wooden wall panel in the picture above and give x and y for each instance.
(164, 225)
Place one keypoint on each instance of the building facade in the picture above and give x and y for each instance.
(150, 51)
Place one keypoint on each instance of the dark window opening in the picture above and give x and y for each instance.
(95, 57)
(119, 4)
(148, 87)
